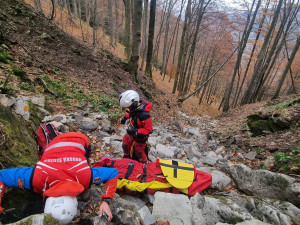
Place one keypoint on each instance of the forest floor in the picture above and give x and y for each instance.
(40, 47)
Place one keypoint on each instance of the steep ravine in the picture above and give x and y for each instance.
(238, 194)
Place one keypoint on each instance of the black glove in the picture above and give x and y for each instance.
(123, 120)
(132, 131)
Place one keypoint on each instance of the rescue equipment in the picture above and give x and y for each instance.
(162, 175)
(44, 134)
(178, 174)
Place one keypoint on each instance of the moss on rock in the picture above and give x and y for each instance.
(257, 124)
(17, 141)
(50, 86)
(49, 220)
(36, 115)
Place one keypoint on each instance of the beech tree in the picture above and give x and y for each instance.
(170, 7)
(182, 44)
(244, 41)
(252, 88)
(174, 37)
(110, 24)
(148, 69)
(136, 38)
(258, 33)
(287, 68)
(144, 43)
(127, 33)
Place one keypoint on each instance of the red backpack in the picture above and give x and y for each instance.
(44, 134)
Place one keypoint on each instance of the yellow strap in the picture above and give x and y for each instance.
(140, 187)
(131, 149)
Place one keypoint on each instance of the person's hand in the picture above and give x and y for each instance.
(132, 131)
(104, 207)
(123, 120)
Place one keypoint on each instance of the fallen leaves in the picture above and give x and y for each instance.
(232, 187)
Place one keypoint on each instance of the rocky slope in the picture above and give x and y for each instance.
(264, 135)
(238, 194)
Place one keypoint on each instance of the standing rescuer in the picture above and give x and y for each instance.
(140, 125)
(62, 174)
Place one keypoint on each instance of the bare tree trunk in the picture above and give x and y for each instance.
(127, 28)
(244, 41)
(293, 87)
(176, 28)
(116, 30)
(144, 43)
(160, 31)
(110, 24)
(95, 23)
(148, 69)
(87, 12)
(182, 45)
(80, 22)
(201, 70)
(166, 37)
(67, 5)
(207, 75)
(286, 69)
(177, 32)
(75, 9)
(136, 39)
(288, 18)
(252, 53)
(253, 85)
(200, 12)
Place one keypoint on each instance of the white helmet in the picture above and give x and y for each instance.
(63, 208)
(128, 97)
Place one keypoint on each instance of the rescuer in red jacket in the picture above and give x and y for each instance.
(140, 125)
(61, 174)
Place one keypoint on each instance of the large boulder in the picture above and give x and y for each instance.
(236, 209)
(174, 208)
(264, 183)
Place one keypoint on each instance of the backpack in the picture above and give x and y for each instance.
(44, 134)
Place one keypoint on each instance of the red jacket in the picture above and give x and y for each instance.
(63, 160)
(141, 118)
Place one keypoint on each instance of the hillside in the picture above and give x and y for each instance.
(39, 48)
(274, 149)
